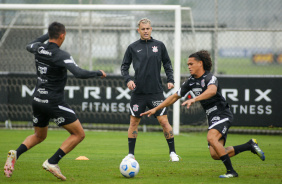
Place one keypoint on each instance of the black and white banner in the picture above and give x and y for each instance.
(253, 101)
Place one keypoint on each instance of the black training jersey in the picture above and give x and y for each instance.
(52, 64)
(212, 106)
(148, 58)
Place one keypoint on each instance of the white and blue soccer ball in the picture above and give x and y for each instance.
(129, 168)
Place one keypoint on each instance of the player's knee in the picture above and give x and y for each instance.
(81, 136)
(215, 156)
(40, 138)
(211, 140)
(165, 124)
(134, 123)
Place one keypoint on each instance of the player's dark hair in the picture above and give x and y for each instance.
(55, 29)
(203, 56)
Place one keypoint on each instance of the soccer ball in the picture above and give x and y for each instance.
(129, 168)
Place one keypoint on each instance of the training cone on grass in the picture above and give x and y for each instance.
(82, 158)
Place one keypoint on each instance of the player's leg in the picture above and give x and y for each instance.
(252, 146)
(40, 133)
(168, 133)
(40, 123)
(167, 129)
(65, 117)
(153, 101)
(229, 150)
(137, 106)
(217, 150)
(76, 136)
(132, 135)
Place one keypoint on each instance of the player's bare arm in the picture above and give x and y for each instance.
(210, 92)
(170, 100)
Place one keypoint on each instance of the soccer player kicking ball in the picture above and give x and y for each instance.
(205, 86)
(48, 102)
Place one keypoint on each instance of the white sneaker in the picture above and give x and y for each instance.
(54, 169)
(129, 156)
(174, 157)
(10, 163)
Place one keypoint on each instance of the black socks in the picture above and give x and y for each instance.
(227, 162)
(21, 149)
(131, 145)
(243, 147)
(132, 141)
(171, 146)
(56, 157)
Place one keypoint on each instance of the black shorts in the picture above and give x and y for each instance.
(139, 102)
(221, 123)
(60, 113)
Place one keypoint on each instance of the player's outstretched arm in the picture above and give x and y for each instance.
(170, 100)
(210, 92)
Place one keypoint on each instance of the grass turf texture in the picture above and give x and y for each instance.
(106, 150)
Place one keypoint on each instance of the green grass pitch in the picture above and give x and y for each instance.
(106, 150)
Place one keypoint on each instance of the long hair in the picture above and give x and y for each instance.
(55, 29)
(203, 56)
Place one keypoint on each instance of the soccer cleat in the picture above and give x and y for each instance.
(229, 175)
(129, 156)
(174, 157)
(10, 163)
(54, 169)
(256, 150)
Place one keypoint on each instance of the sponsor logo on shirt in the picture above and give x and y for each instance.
(42, 80)
(42, 91)
(41, 50)
(42, 70)
(197, 91)
(40, 100)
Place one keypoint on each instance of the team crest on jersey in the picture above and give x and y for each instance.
(155, 49)
(203, 83)
(135, 107)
